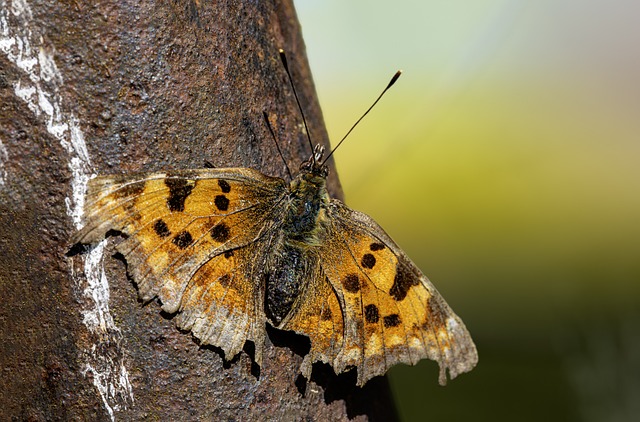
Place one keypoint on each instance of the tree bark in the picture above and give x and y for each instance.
(123, 86)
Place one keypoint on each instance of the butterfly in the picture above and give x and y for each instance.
(229, 250)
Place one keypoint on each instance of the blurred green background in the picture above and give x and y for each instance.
(506, 162)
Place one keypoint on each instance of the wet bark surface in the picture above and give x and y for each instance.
(123, 86)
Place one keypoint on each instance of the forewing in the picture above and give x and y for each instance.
(391, 311)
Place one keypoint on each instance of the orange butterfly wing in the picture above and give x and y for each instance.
(370, 307)
(189, 240)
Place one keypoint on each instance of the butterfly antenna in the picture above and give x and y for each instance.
(273, 135)
(283, 58)
(393, 81)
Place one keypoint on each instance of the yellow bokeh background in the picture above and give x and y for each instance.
(505, 161)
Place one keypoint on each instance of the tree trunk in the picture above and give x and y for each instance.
(123, 86)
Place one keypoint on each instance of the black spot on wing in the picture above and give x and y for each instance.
(161, 228)
(392, 320)
(228, 254)
(222, 202)
(179, 190)
(351, 283)
(220, 233)
(371, 314)
(368, 261)
(224, 186)
(404, 280)
(376, 246)
(183, 240)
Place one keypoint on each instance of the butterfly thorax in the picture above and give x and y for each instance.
(302, 230)
(306, 209)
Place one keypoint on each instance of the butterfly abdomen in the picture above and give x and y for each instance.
(284, 280)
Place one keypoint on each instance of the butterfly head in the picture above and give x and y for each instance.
(315, 166)
(309, 188)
